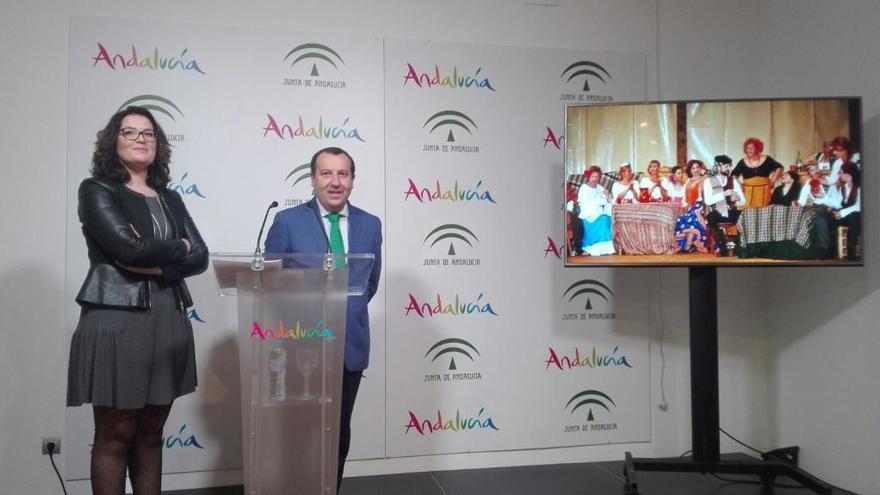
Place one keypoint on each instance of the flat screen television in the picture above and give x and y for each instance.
(718, 183)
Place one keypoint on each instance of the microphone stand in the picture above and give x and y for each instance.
(259, 262)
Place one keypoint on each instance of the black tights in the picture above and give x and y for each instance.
(128, 437)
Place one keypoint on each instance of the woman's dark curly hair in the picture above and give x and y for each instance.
(106, 162)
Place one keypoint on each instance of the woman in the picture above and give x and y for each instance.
(787, 193)
(756, 173)
(693, 186)
(132, 352)
(595, 206)
(624, 190)
(690, 227)
(653, 186)
(675, 185)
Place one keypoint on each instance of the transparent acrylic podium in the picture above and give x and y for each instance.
(291, 320)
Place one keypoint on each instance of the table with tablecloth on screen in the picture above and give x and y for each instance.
(645, 228)
(779, 232)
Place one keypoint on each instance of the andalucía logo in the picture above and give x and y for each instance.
(300, 174)
(446, 121)
(456, 307)
(184, 187)
(553, 139)
(588, 70)
(309, 129)
(585, 288)
(455, 234)
(553, 248)
(456, 423)
(589, 399)
(297, 332)
(130, 60)
(440, 193)
(450, 348)
(193, 315)
(181, 440)
(595, 360)
(313, 54)
(446, 80)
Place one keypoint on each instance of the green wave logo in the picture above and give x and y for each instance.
(453, 232)
(155, 104)
(299, 174)
(314, 52)
(590, 398)
(452, 346)
(450, 119)
(587, 69)
(585, 288)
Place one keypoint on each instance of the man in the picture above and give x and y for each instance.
(328, 223)
(724, 198)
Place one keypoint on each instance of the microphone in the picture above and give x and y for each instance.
(257, 262)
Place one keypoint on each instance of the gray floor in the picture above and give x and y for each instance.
(557, 479)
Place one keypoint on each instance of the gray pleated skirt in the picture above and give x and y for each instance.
(127, 359)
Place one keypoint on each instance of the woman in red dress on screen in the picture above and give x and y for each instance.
(756, 173)
(690, 228)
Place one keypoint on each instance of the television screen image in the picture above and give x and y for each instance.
(742, 183)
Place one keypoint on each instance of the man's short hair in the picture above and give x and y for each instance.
(332, 150)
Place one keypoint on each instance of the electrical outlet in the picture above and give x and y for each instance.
(47, 441)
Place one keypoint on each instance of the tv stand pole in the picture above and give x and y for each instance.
(706, 458)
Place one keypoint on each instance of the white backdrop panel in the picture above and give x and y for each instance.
(481, 261)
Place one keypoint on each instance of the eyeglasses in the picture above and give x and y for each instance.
(133, 134)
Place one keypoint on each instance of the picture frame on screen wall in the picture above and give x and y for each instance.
(714, 183)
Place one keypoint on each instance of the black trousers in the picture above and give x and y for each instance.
(351, 381)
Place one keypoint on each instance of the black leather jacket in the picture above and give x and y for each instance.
(117, 225)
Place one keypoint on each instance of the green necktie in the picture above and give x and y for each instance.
(336, 244)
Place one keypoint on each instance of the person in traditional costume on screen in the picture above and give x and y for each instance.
(843, 153)
(575, 228)
(814, 194)
(652, 189)
(723, 198)
(690, 227)
(675, 185)
(825, 158)
(788, 192)
(813, 186)
(756, 173)
(594, 202)
(693, 186)
(845, 195)
(625, 190)
(132, 353)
